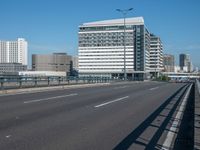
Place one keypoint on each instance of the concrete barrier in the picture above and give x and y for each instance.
(198, 85)
(197, 117)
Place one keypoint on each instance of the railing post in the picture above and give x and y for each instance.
(48, 80)
(1, 85)
(2, 81)
(67, 79)
(20, 82)
(58, 80)
(35, 81)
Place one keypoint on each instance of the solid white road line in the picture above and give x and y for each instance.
(154, 88)
(116, 100)
(120, 87)
(50, 98)
(8, 136)
(172, 131)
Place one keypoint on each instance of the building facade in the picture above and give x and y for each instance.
(169, 63)
(42, 73)
(101, 48)
(14, 51)
(74, 71)
(75, 62)
(185, 63)
(156, 55)
(58, 62)
(11, 68)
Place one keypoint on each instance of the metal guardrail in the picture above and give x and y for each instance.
(14, 82)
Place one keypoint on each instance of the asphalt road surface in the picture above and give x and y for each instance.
(115, 116)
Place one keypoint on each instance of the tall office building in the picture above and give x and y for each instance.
(185, 63)
(156, 55)
(101, 48)
(14, 51)
(169, 63)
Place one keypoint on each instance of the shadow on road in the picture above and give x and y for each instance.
(135, 137)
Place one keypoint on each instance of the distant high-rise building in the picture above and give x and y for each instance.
(168, 62)
(183, 60)
(190, 66)
(101, 48)
(196, 69)
(14, 51)
(185, 63)
(156, 54)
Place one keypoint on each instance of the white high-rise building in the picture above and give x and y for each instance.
(14, 51)
(156, 55)
(101, 48)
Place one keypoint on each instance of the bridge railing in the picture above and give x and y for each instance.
(15, 82)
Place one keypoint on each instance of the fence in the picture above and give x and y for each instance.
(14, 82)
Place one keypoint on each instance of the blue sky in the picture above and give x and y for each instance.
(52, 25)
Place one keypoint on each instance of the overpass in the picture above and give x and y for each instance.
(125, 115)
(194, 75)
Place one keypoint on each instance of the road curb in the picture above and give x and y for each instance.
(198, 86)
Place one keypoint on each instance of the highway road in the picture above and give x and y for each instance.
(131, 115)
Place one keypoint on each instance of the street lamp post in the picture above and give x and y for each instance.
(124, 13)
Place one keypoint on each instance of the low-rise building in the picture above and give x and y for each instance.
(74, 71)
(11, 68)
(56, 62)
(42, 73)
(177, 69)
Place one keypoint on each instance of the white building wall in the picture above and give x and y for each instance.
(177, 69)
(96, 58)
(14, 51)
(156, 54)
(42, 73)
(23, 52)
(105, 60)
(3, 52)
